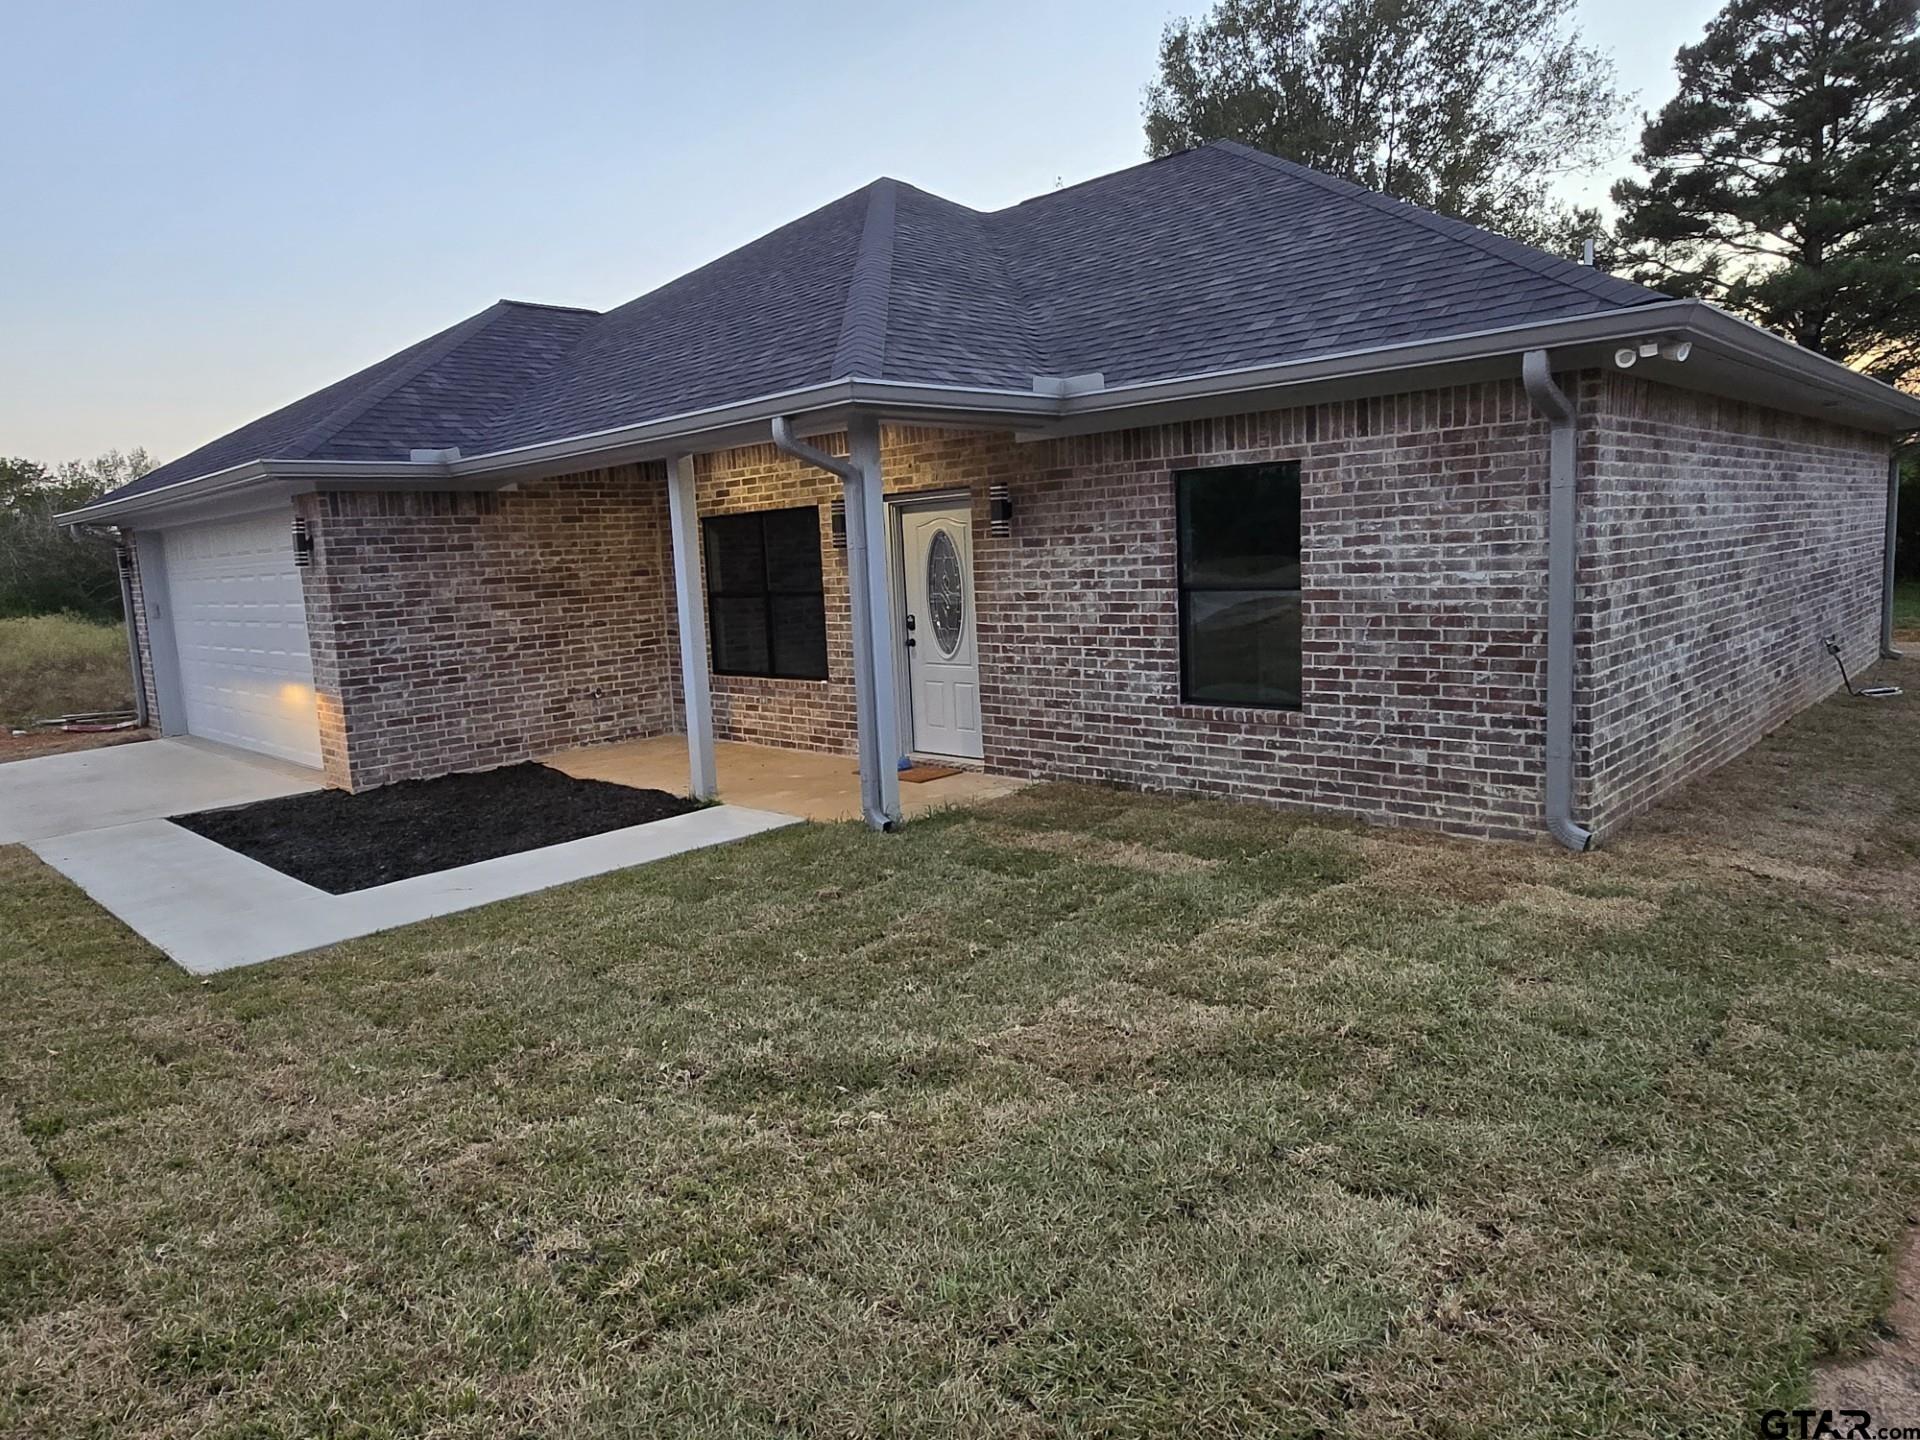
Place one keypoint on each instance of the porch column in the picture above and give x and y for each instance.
(871, 595)
(691, 602)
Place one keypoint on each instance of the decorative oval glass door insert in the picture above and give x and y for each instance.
(946, 594)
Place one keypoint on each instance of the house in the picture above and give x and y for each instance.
(1213, 474)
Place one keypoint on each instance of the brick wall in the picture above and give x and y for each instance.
(464, 631)
(819, 714)
(1720, 544)
(1423, 588)
(1422, 595)
(793, 714)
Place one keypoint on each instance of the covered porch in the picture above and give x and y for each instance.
(819, 785)
(806, 783)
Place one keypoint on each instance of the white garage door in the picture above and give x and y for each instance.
(240, 623)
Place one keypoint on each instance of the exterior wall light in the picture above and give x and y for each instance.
(999, 510)
(302, 542)
(837, 517)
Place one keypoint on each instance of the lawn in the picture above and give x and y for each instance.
(1906, 605)
(1075, 1113)
(59, 665)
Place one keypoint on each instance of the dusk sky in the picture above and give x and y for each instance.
(212, 209)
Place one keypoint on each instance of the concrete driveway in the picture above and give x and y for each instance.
(91, 789)
(99, 818)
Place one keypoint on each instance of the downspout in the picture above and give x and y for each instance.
(1887, 652)
(874, 812)
(1551, 401)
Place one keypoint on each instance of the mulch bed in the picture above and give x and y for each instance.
(340, 842)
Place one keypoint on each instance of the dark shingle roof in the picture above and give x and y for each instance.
(443, 391)
(1224, 257)
(763, 319)
(1218, 258)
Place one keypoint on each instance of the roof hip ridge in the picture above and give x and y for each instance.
(548, 305)
(862, 348)
(433, 350)
(1462, 232)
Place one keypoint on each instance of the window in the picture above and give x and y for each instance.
(1240, 585)
(764, 605)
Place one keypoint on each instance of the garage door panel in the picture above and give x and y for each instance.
(240, 627)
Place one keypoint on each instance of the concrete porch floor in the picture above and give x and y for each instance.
(793, 782)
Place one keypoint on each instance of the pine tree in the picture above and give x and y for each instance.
(1784, 178)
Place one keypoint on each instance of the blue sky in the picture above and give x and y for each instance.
(213, 208)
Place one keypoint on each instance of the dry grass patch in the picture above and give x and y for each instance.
(1599, 912)
(1094, 849)
(60, 664)
(1117, 1030)
(1884, 1378)
(1819, 805)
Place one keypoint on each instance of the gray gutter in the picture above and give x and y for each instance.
(1045, 411)
(1552, 402)
(1679, 319)
(204, 487)
(1887, 652)
(932, 401)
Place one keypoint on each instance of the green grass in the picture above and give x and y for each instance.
(1078, 1113)
(59, 665)
(1906, 605)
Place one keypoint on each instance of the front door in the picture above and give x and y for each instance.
(943, 657)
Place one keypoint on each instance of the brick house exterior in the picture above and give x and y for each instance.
(1719, 545)
(1562, 543)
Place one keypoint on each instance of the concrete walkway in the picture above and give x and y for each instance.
(210, 908)
(91, 789)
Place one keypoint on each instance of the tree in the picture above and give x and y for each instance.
(1784, 178)
(1469, 107)
(43, 568)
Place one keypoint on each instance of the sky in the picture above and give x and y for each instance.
(211, 209)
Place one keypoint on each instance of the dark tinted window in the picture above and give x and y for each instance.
(765, 608)
(1240, 584)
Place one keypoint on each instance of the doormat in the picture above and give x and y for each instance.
(920, 773)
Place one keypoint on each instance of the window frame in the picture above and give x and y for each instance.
(1182, 589)
(766, 594)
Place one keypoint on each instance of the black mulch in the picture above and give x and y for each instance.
(340, 842)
